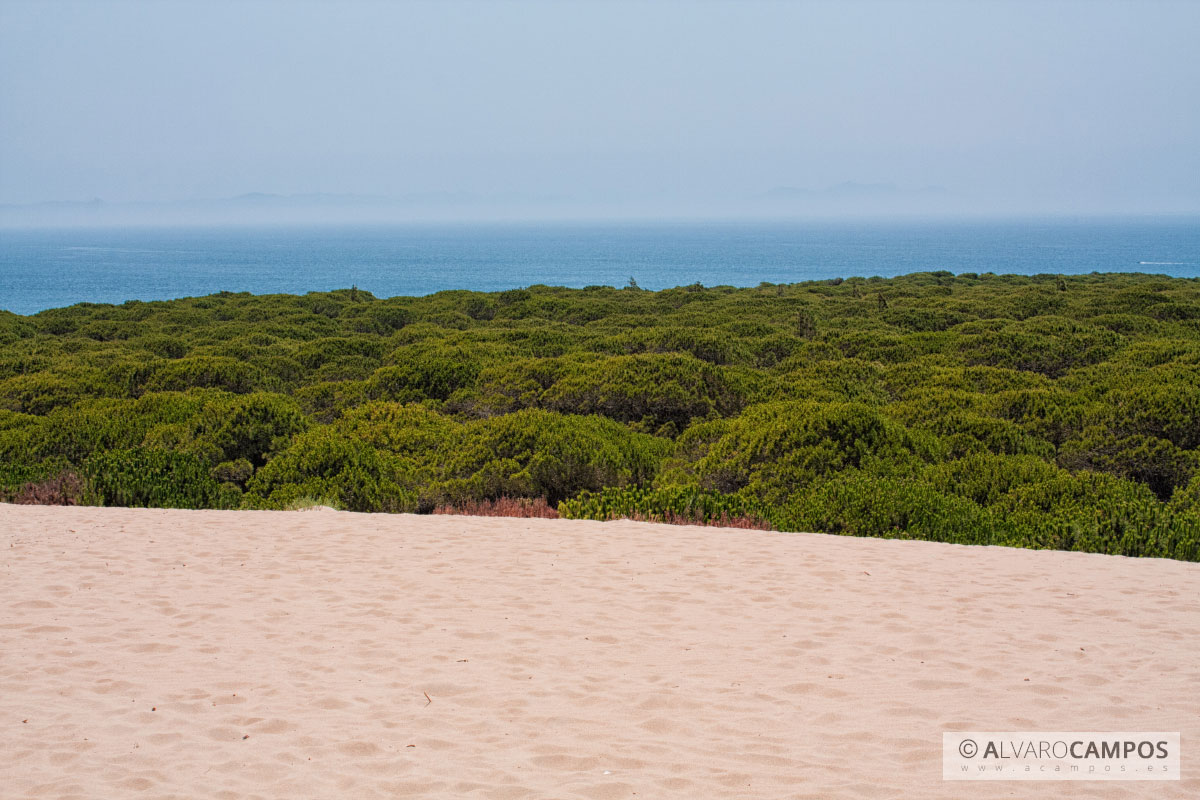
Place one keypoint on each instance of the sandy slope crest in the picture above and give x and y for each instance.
(149, 653)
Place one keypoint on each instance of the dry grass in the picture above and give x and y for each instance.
(723, 521)
(64, 489)
(502, 507)
(526, 507)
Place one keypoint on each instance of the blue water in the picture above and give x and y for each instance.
(42, 269)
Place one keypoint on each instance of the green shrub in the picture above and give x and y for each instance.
(541, 454)
(150, 479)
(857, 504)
(1045, 411)
(410, 430)
(326, 464)
(423, 373)
(317, 352)
(204, 372)
(235, 472)
(775, 450)
(673, 504)
(985, 478)
(1157, 463)
(251, 426)
(659, 388)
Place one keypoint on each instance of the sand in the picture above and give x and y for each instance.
(151, 653)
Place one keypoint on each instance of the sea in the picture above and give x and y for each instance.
(50, 268)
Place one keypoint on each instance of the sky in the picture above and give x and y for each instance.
(643, 108)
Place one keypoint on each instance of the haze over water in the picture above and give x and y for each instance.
(383, 144)
(49, 268)
(606, 109)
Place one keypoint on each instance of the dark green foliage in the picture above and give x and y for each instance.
(535, 453)
(423, 373)
(151, 479)
(13, 476)
(164, 346)
(480, 308)
(381, 318)
(858, 504)
(235, 472)
(1163, 402)
(1042, 411)
(1047, 345)
(1096, 512)
(319, 352)
(204, 372)
(673, 504)
(660, 389)
(1157, 463)
(251, 427)
(985, 478)
(327, 467)
(774, 450)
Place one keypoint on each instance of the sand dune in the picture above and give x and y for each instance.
(206, 654)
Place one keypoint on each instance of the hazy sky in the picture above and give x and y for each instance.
(1041, 105)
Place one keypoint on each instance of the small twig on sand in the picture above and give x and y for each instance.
(427, 697)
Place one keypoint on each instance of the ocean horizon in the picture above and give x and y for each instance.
(50, 268)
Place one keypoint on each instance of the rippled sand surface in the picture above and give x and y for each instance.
(148, 653)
